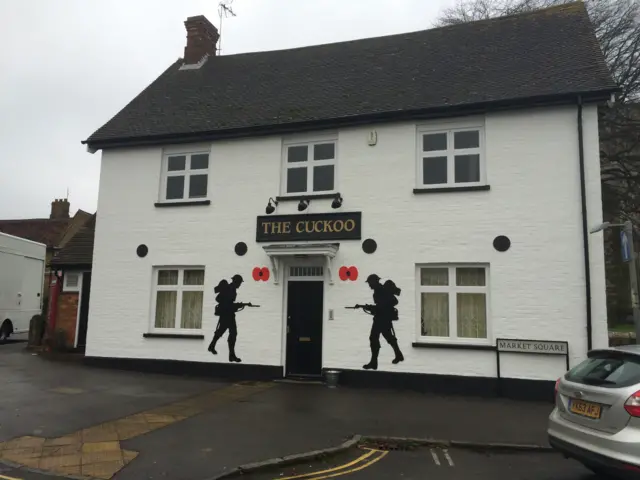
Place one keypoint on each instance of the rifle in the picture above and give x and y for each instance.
(242, 305)
(366, 307)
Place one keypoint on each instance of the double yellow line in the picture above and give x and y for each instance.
(359, 463)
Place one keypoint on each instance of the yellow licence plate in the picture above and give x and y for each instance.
(585, 409)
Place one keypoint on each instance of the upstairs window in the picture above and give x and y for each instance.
(451, 158)
(185, 177)
(309, 167)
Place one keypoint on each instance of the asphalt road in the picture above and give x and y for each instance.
(436, 464)
(13, 339)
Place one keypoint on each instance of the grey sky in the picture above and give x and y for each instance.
(69, 65)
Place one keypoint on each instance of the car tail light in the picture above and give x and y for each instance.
(555, 392)
(632, 405)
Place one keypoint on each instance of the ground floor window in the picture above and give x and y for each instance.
(178, 298)
(453, 302)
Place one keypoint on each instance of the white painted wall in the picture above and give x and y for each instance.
(537, 287)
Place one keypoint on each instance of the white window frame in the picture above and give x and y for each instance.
(452, 289)
(308, 141)
(165, 174)
(72, 288)
(450, 128)
(155, 288)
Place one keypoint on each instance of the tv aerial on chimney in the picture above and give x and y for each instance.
(224, 10)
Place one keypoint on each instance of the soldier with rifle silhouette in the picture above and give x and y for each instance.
(226, 309)
(384, 313)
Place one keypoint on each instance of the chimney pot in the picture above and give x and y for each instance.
(202, 38)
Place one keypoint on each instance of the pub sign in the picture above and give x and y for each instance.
(312, 226)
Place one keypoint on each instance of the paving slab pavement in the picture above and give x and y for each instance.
(47, 399)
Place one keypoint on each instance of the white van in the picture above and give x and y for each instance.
(22, 264)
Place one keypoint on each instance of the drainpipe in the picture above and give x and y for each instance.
(585, 228)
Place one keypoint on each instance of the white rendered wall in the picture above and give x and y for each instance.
(536, 288)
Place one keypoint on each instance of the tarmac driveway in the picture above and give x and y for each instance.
(63, 417)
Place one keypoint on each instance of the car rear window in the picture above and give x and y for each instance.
(607, 369)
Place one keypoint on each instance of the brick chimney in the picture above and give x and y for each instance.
(202, 38)
(60, 208)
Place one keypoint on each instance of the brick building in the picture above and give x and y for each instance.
(73, 264)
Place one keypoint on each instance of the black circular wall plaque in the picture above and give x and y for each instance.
(501, 243)
(369, 245)
(142, 250)
(240, 248)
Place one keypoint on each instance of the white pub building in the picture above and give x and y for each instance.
(461, 163)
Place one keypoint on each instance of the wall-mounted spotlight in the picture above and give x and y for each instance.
(271, 207)
(337, 202)
(304, 203)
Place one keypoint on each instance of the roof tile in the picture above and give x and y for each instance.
(549, 52)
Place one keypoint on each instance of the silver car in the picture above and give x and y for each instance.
(596, 419)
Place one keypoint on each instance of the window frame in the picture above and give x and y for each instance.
(453, 290)
(186, 173)
(179, 288)
(308, 141)
(66, 288)
(450, 128)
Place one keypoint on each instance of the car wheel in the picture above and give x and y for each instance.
(5, 331)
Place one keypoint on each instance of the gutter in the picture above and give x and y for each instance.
(585, 227)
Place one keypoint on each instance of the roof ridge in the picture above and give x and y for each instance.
(575, 5)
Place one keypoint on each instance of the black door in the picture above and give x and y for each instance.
(304, 328)
(84, 310)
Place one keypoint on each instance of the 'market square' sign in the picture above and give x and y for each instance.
(533, 346)
(312, 226)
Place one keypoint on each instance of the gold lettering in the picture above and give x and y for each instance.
(349, 225)
(265, 225)
(317, 224)
(335, 225)
(286, 227)
(308, 227)
(327, 226)
(299, 227)
(276, 227)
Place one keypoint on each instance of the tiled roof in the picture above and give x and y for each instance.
(544, 54)
(78, 250)
(41, 230)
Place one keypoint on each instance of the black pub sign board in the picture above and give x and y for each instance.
(311, 226)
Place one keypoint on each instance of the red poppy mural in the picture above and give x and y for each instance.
(261, 274)
(348, 273)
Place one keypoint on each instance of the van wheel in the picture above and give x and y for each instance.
(5, 331)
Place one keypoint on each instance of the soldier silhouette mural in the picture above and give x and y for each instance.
(384, 313)
(226, 308)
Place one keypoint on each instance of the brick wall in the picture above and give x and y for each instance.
(67, 315)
